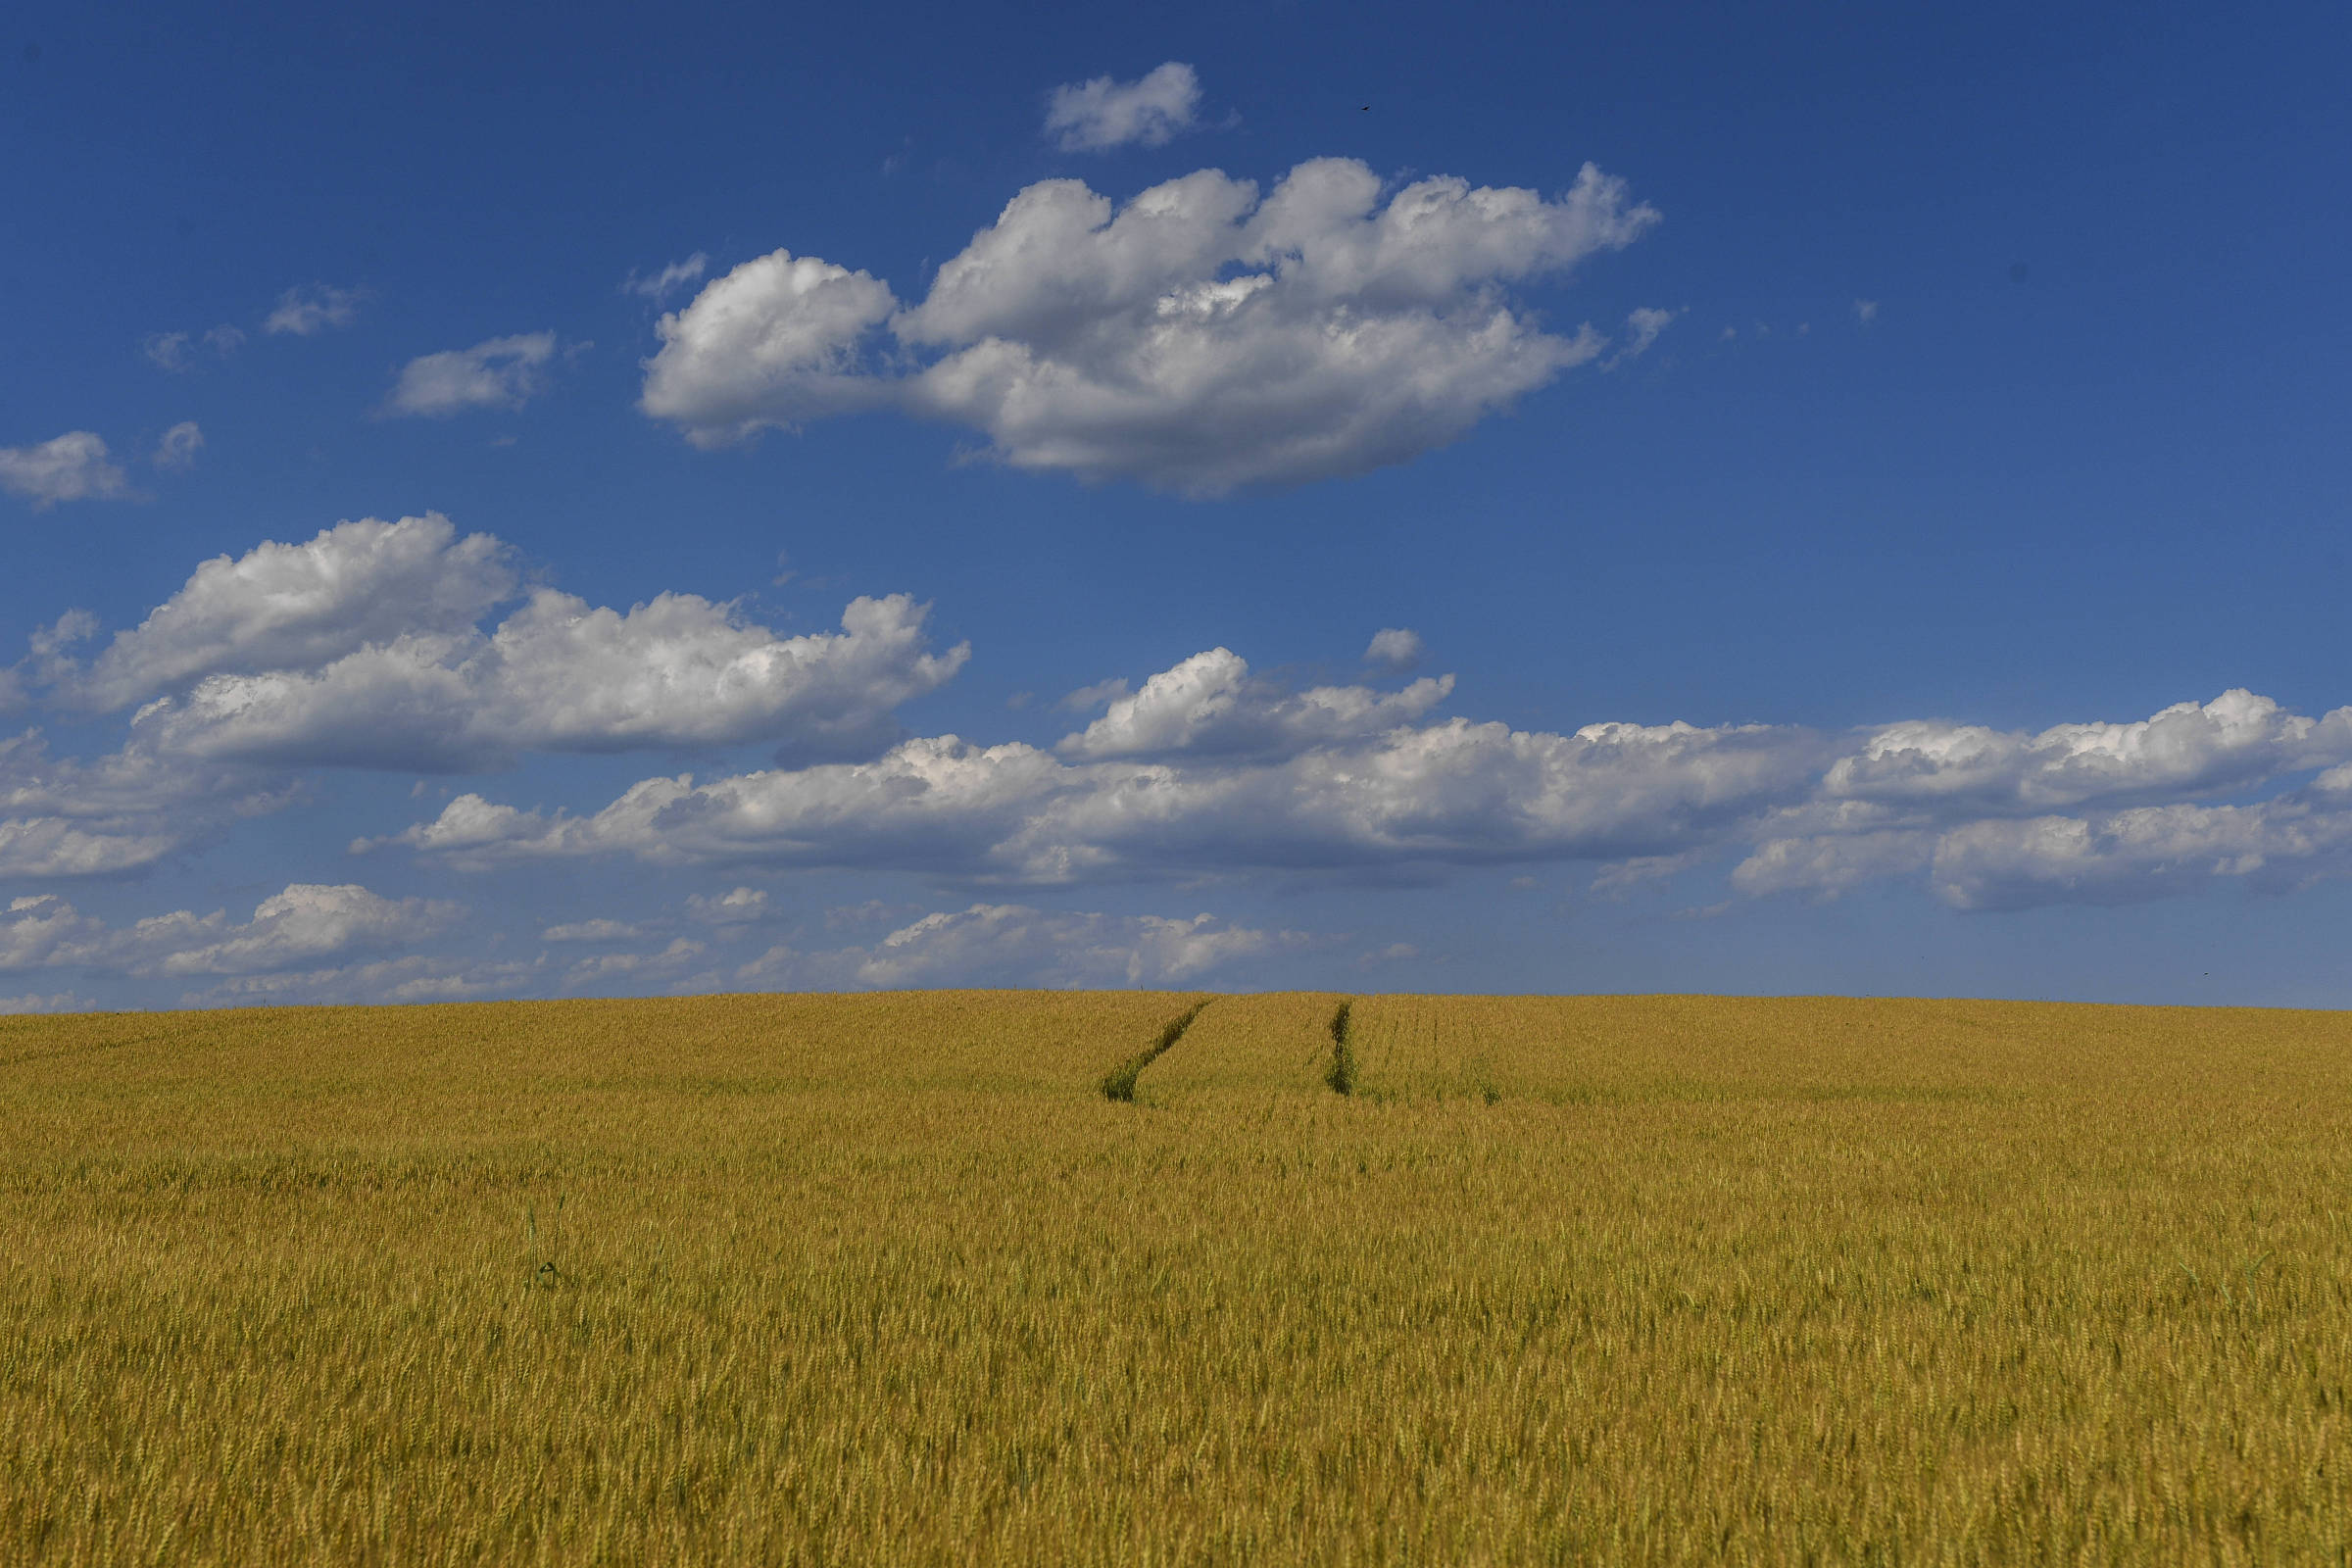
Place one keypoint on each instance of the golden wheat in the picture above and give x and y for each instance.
(891, 1279)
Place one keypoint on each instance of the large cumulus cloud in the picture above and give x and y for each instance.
(364, 647)
(1200, 337)
(302, 605)
(1210, 704)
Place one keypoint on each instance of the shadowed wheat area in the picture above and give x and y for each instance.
(905, 1280)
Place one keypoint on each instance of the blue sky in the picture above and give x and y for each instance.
(590, 500)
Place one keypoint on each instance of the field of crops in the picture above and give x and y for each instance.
(997, 1278)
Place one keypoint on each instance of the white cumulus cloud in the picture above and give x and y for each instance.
(1827, 864)
(303, 606)
(73, 466)
(561, 675)
(364, 647)
(1982, 810)
(2189, 747)
(1209, 704)
(1102, 114)
(2147, 851)
(776, 342)
(1201, 338)
(305, 922)
(38, 933)
(302, 925)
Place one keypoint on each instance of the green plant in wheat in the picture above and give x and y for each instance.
(1119, 1083)
(1341, 1075)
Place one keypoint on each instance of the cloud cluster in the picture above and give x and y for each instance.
(1102, 114)
(2150, 850)
(300, 312)
(1203, 336)
(302, 925)
(407, 645)
(308, 942)
(363, 648)
(1978, 810)
(410, 978)
(558, 675)
(1207, 769)
(1403, 799)
(65, 817)
(367, 647)
(981, 945)
(1011, 943)
(55, 1001)
(2100, 857)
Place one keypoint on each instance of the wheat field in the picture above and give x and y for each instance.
(1024, 1278)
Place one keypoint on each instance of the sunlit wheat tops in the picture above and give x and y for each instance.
(1128, 1278)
